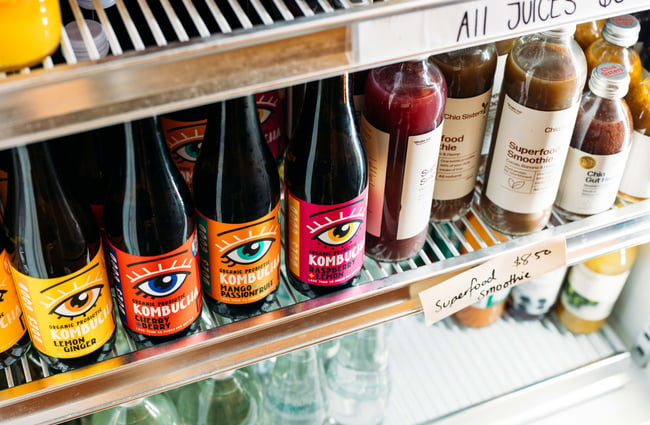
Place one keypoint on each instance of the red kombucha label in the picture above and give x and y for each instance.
(157, 295)
(326, 242)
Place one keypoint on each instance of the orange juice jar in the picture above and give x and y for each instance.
(30, 30)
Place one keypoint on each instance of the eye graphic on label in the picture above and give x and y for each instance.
(263, 113)
(248, 252)
(78, 303)
(189, 151)
(161, 285)
(339, 233)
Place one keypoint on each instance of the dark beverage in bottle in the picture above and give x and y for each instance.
(326, 186)
(14, 339)
(152, 247)
(183, 131)
(237, 195)
(271, 113)
(402, 128)
(57, 264)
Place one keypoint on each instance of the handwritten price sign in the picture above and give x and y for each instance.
(496, 275)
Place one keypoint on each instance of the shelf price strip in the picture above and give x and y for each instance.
(501, 273)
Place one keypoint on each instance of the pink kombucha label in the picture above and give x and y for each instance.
(326, 242)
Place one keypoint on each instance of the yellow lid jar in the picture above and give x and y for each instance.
(30, 30)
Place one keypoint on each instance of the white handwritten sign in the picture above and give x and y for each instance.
(502, 273)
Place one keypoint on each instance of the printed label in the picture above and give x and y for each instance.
(377, 143)
(240, 263)
(68, 316)
(590, 182)
(527, 165)
(157, 295)
(536, 296)
(326, 243)
(12, 322)
(501, 274)
(460, 148)
(636, 176)
(184, 141)
(271, 118)
(590, 295)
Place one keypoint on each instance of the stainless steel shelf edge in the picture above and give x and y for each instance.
(237, 344)
(48, 103)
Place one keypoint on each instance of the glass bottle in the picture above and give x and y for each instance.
(183, 131)
(30, 30)
(14, 339)
(293, 394)
(588, 32)
(155, 409)
(233, 398)
(635, 183)
(469, 74)
(591, 290)
(620, 33)
(237, 195)
(534, 299)
(57, 261)
(542, 86)
(326, 179)
(402, 128)
(151, 233)
(599, 146)
(357, 380)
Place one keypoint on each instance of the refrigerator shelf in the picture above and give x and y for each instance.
(385, 292)
(174, 54)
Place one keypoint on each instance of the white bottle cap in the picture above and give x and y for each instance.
(622, 30)
(89, 5)
(76, 40)
(609, 80)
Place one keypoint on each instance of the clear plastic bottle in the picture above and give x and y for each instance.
(402, 128)
(469, 74)
(542, 86)
(357, 380)
(599, 146)
(619, 35)
(155, 409)
(293, 394)
(635, 183)
(591, 290)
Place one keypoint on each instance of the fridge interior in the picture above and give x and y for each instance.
(204, 52)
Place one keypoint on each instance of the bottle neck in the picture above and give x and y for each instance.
(145, 150)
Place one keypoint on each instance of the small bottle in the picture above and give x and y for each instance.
(469, 74)
(591, 290)
(29, 32)
(599, 146)
(619, 35)
(588, 32)
(14, 339)
(237, 196)
(542, 86)
(271, 113)
(294, 392)
(183, 132)
(635, 183)
(57, 263)
(402, 128)
(534, 299)
(152, 244)
(357, 380)
(232, 398)
(155, 409)
(326, 180)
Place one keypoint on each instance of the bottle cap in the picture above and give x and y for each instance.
(622, 30)
(609, 80)
(89, 5)
(76, 40)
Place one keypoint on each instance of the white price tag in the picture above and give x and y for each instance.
(499, 274)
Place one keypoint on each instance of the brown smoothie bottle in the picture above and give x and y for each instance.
(542, 86)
